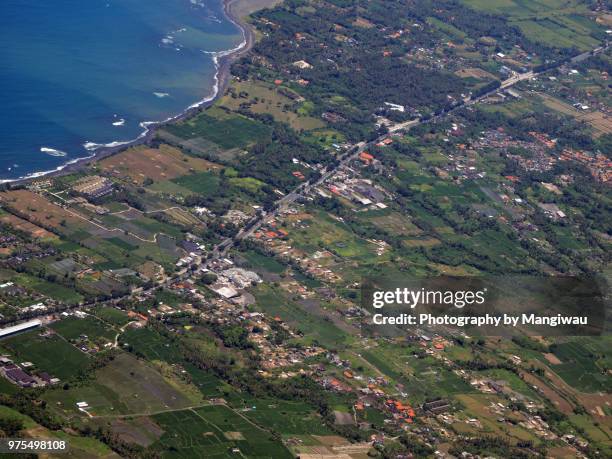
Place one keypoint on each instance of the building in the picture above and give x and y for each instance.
(13, 330)
(93, 186)
(436, 406)
(18, 376)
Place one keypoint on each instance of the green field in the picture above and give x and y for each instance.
(579, 368)
(206, 183)
(72, 328)
(287, 417)
(112, 316)
(315, 328)
(53, 354)
(256, 260)
(151, 345)
(80, 447)
(555, 23)
(213, 432)
(325, 232)
(124, 386)
(228, 130)
(53, 290)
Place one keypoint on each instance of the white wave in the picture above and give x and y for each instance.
(92, 146)
(120, 122)
(34, 175)
(161, 95)
(52, 151)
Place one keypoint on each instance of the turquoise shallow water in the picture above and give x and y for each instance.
(79, 73)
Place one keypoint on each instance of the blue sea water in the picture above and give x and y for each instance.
(75, 74)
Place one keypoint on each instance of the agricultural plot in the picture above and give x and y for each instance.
(151, 345)
(287, 417)
(513, 108)
(323, 231)
(225, 129)
(214, 432)
(251, 440)
(553, 32)
(325, 138)
(108, 241)
(52, 290)
(259, 262)
(600, 432)
(112, 316)
(424, 375)
(579, 369)
(20, 224)
(392, 222)
(206, 183)
(158, 164)
(51, 354)
(168, 187)
(477, 406)
(209, 385)
(514, 382)
(264, 98)
(80, 447)
(72, 328)
(125, 386)
(599, 122)
(315, 328)
(141, 431)
(40, 211)
(477, 73)
(555, 23)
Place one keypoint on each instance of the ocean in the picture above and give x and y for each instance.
(78, 74)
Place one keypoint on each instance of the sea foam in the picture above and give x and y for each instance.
(52, 151)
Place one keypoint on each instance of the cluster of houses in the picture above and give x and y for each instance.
(346, 183)
(315, 265)
(93, 186)
(21, 374)
(599, 165)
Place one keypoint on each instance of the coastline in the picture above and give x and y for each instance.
(222, 61)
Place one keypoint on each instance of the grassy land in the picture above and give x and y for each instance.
(228, 130)
(72, 328)
(315, 328)
(263, 98)
(213, 432)
(287, 417)
(256, 261)
(125, 386)
(203, 183)
(151, 345)
(53, 354)
(112, 316)
(53, 290)
(579, 368)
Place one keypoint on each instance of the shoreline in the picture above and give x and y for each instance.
(222, 61)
